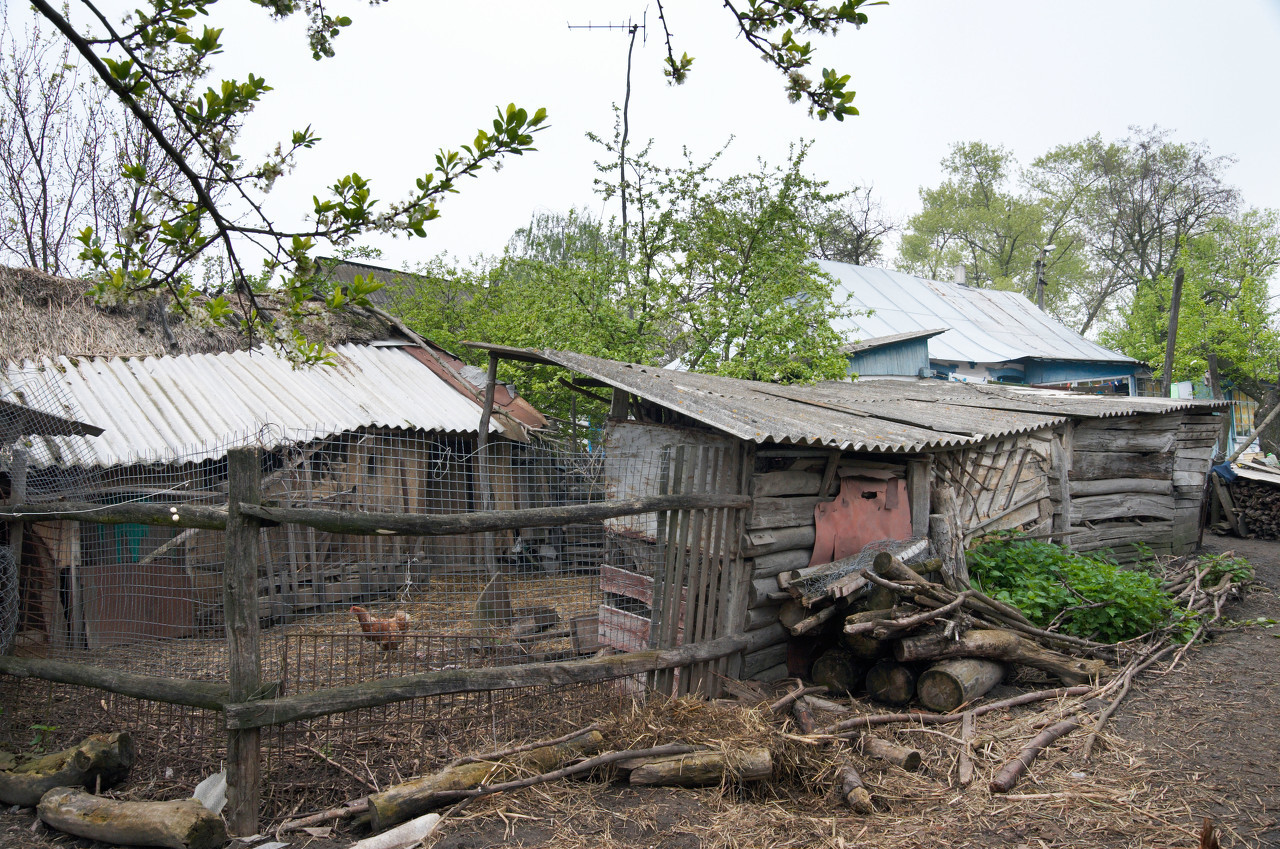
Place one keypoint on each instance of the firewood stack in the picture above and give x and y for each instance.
(879, 626)
(1257, 506)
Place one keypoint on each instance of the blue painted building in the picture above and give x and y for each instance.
(905, 326)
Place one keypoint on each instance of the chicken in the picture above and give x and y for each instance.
(386, 634)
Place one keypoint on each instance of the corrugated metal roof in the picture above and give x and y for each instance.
(881, 341)
(983, 325)
(862, 415)
(190, 406)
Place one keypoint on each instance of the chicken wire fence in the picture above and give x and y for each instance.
(148, 599)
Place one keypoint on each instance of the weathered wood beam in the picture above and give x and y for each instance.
(405, 524)
(139, 513)
(375, 693)
(173, 691)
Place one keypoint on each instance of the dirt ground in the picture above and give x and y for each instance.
(1202, 740)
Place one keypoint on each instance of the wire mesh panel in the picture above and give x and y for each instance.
(335, 609)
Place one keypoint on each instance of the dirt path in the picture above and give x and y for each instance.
(1206, 736)
(1212, 728)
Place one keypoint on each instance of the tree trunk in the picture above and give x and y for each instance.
(1000, 645)
(891, 682)
(416, 796)
(699, 769)
(181, 824)
(101, 761)
(945, 686)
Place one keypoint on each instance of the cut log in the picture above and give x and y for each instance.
(402, 802)
(946, 686)
(891, 682)
(769, 565)
(779, 539)
(102, 760)
(853, 791)
(699, 769)
(899, 756)
(839, 671)
(803, 716)
(964, 763)
(181, 824)
(996, 644)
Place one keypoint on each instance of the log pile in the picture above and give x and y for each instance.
(1256, 506)
(918, 639)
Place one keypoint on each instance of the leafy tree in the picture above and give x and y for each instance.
(1136, 201)
(62, 148)
(719, 277)
(981, 220)
(722, 266)
(853, 230)
(1116, 213)
(1226, 310)
(148, 64)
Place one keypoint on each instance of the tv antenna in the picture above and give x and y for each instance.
(632, 29)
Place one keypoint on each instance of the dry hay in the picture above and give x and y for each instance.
(1115, 801)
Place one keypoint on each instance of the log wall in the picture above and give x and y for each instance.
(1136, 483)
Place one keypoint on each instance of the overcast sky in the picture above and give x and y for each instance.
(414, 75)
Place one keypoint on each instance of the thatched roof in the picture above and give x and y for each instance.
(46, 316)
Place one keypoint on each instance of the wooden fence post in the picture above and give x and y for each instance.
(11, 603)
(240, 603)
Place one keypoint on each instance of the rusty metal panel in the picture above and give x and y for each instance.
(864, 511)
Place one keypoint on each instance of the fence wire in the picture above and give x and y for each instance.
(148, 598)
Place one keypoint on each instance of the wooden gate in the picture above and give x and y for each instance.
(700, 590)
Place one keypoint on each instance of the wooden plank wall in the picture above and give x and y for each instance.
(1136, 482)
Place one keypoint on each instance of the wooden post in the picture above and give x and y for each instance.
(494, 607)
(240, 602)
(1172, 341)
(1060, 458)
(1215, 389)
(618, 405)
(10, 603)
(919, 484)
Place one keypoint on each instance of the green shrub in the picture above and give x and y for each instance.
(1085, 596)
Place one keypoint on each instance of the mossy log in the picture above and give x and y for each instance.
(100, 761)
(417, 796)
(699, 769)
(853, 791)
(891, 682)
(949, 684)
(839, 671)
(999, 644)
(181, 824)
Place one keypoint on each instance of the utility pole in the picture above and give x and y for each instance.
(1040, 264)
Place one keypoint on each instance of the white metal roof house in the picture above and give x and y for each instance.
(903, 324)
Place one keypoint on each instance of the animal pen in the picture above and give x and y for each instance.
(203, 600)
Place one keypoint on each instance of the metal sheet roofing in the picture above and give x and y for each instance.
(192, 407)
(983, 325)
(862, 415)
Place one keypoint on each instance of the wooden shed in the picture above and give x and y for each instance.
(834, 466)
